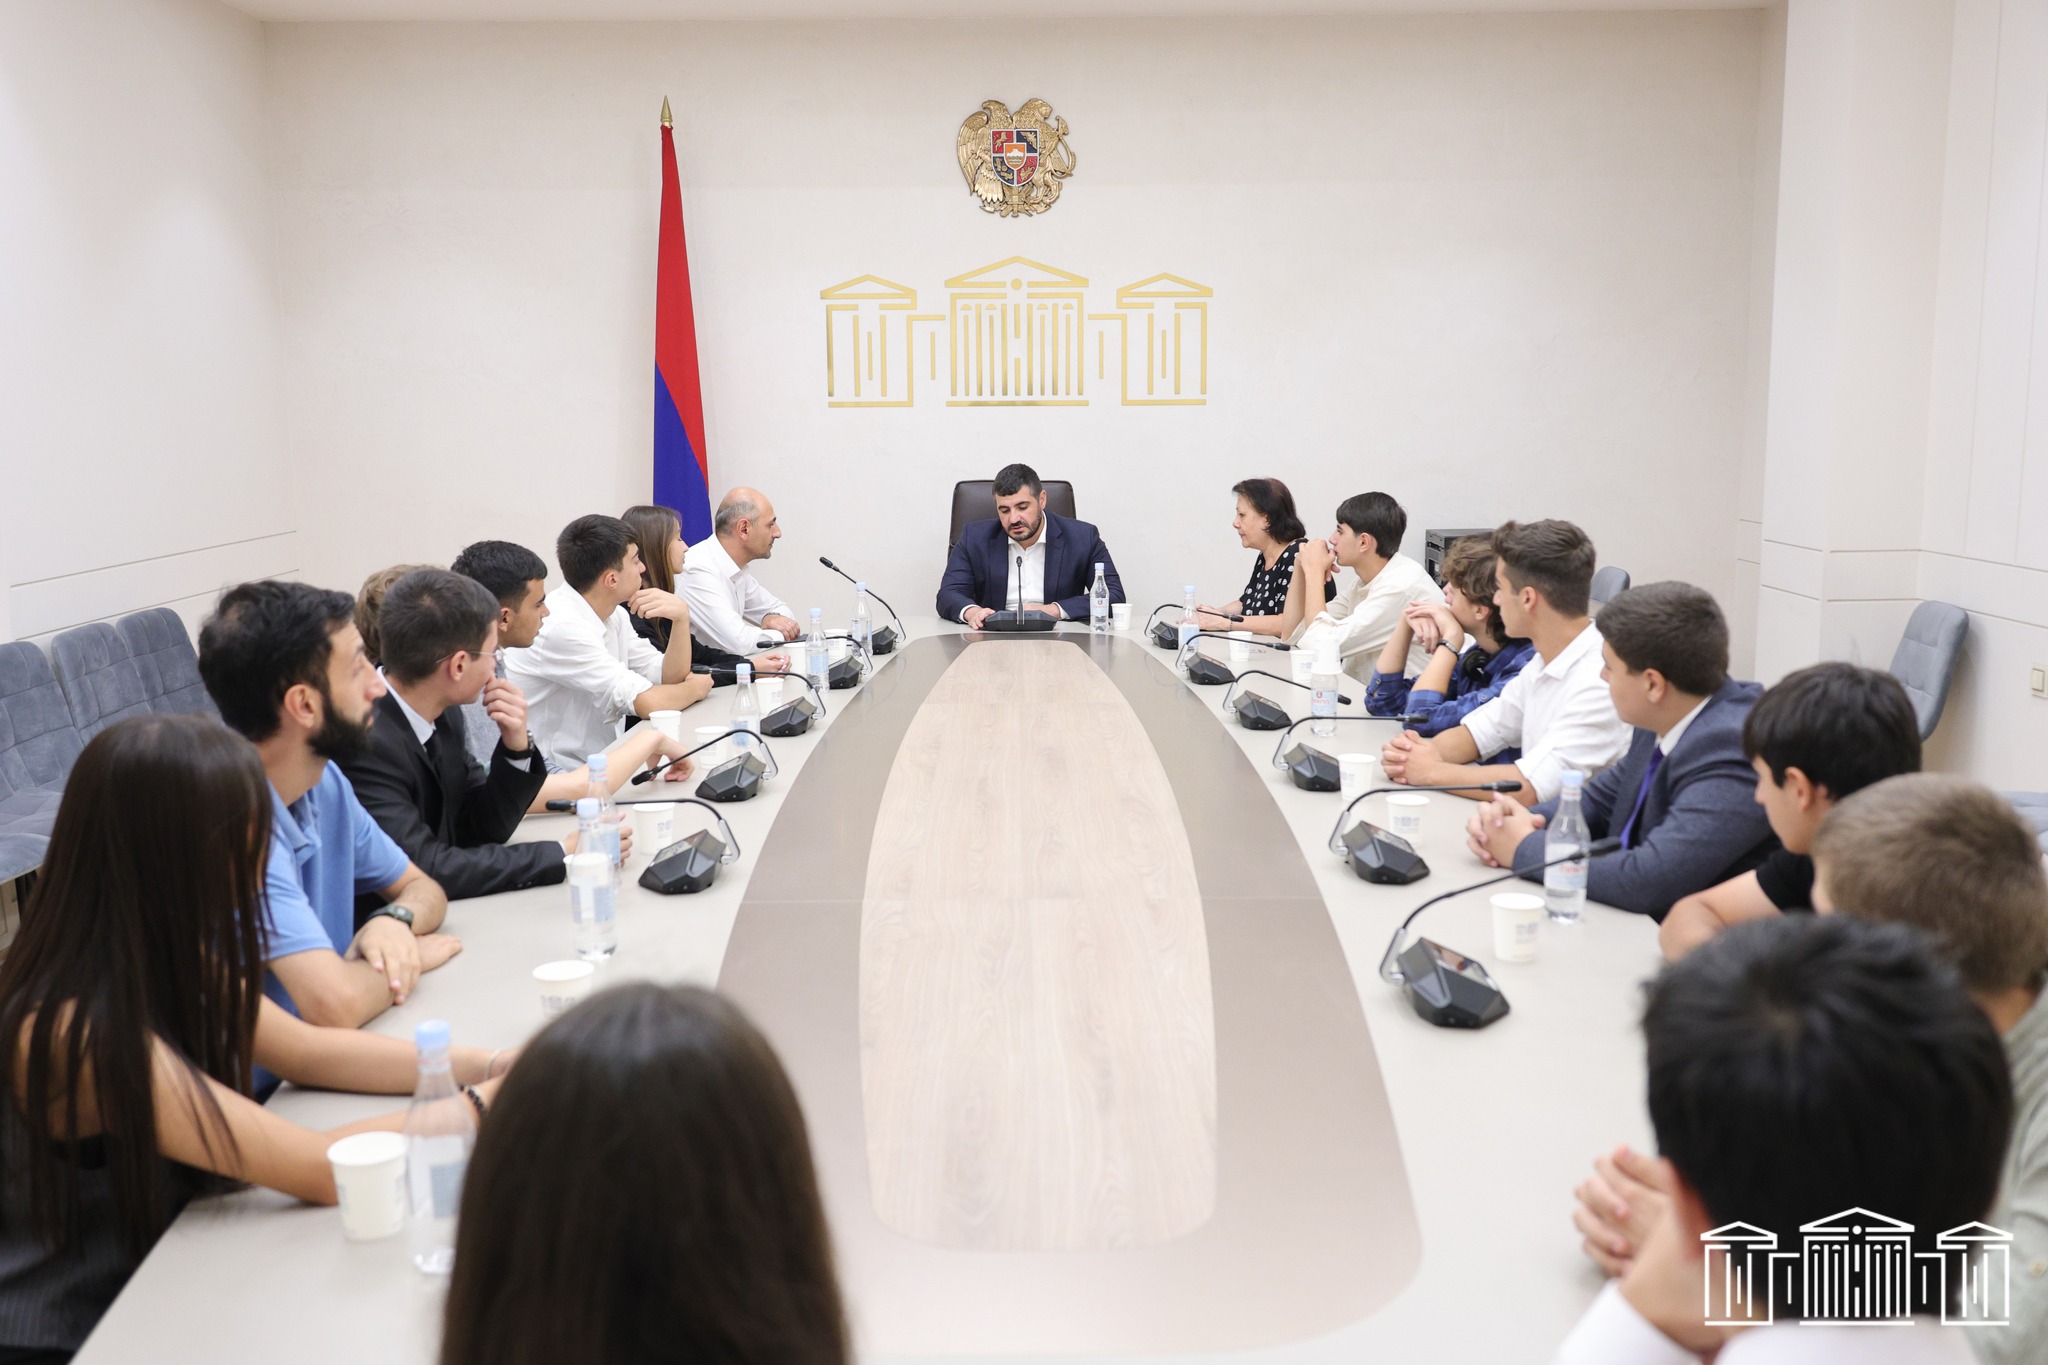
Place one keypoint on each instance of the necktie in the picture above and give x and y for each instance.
(1628, 831)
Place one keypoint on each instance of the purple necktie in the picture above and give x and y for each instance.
(1628, 831)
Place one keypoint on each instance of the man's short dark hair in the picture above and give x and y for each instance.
(1376, 515)
(1674, 628)
(588, 546)
(263, 639)
(430, 614)
(1805, 1065)
(1554, 557)
(1012, 479)
(503, 568)
(1844, 727)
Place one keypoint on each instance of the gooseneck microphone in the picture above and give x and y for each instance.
(1337, 847)
(879, 645)
(1381, 856)
(691, 863)
(1019, 619)
(1206, 671)
(1446, 987)
(658, 769)
(1281, 760)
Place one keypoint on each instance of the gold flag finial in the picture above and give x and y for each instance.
(666, 121)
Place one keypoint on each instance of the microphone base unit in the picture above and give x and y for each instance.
(1449, 989)
(844, 674)
(1312, 770)
(1166, 636)
(1379, 856)
(686, 866)
(1206, 672)
(1255, 712)
(736, 779)
(883, 641)
(1018, 622)
(790, 719)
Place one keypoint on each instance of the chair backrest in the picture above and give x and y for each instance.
(1925, 661)
(975, 500)
(101, 683)
(38, 742)
(1609, 582)
(169, 666)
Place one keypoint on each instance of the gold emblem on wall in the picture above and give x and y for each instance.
(1017, 333)
(1014, 163)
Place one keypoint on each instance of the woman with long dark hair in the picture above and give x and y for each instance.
(1275, 599)
(658, 531)
(644, 1192)
(133, 997)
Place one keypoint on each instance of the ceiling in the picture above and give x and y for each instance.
(508, 10)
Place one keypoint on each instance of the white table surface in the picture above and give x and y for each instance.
(1496, 1126)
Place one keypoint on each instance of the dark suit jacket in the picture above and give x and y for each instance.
(978, 572)
(451, 816)
(1700, 824)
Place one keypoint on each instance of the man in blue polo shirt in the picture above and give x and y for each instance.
(285, 665)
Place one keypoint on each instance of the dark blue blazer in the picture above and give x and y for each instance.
(1700, 824)
(978, 571)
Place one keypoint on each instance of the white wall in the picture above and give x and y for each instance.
(143, 438)
(1497, 265)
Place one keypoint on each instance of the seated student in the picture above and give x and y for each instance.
(1058, 557)
(705, 1238)
(729, 609)
(658, 531)
(370, 602)
(1557, 710)
(518, 579)
(1360, 620)
(285, 665)
(1275, 599)
(1821, 734)
(451, 816)
(141, 946)
(586, 669)
(1682, 800)
(1798, 1068)
(1458, 679)
(1890, 854)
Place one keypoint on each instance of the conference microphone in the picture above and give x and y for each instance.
(1262, 713)
(883, 640)
(1446, 987)
(1165, 634)
(770, 768)
(1312, 769)
(789, 719)
(1019, 620)
(1206, 671)
(1377, 855)
(691, 863)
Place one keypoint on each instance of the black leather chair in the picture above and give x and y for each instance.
(975, 500)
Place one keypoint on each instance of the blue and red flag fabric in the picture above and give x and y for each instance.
(682, 466)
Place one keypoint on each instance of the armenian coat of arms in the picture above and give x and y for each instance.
(1014, 163)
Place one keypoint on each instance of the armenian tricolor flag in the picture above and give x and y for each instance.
(682, 466)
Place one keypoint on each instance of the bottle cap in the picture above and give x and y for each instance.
(598, 764)
(817, 612)
(1189, 590)
(586, 807)
(744, 672)
(432, 1035)
(860, 587)
(1574, 779)
(589, 869)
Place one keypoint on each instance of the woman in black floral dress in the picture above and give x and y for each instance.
(1275, 600)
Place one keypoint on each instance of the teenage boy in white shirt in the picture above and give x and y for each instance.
(1360, 620)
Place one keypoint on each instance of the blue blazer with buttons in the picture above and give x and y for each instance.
(978, 571)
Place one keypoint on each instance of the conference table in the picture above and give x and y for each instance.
(1087, 1022)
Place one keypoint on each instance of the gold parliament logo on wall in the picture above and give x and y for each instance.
(1014, 163)
(1017, 333)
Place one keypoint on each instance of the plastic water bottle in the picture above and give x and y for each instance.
(863, 631)
(746, 709)
(1098, 603)
(1188, 626)
(606, 838)
(440, 1132)
(594, 904)
(817, 656)
(1323, 693)
(1564, 884)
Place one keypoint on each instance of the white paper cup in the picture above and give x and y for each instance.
(1240, 651)
(836, 650)
(1404, 813)
(1517, 917)
(1120, 615)
(768, 691)
(369, 1177)
(710, 758)
(669, 723)
(1356, 773)
(654, 826)
(562, 984)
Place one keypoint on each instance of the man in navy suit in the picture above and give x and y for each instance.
(1683, 799)
(1058, 555)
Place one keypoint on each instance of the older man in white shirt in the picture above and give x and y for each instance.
(1557, 710)
(729, 609)
(1359, 621)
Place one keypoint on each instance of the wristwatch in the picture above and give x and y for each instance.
(397, 912)
(522, 752)
(1446, 644)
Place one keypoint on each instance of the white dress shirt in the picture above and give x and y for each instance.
(580, 675)
(727, 604)
(1668, 741)
(1561, 715)
(1612, 1332)
(1361, 619)
(1034, 577)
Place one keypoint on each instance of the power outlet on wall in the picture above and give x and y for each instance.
(2037, 680)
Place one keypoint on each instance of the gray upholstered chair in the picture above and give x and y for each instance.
(1609, 582)
(975, 500)
(1925, 661)
(100, 681)
(38, 744)
(163, 655)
